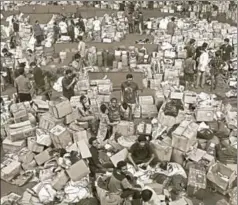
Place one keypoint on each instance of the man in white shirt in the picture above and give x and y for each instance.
(81, 47)
(63, 28)
(96, 24)
(202, 66)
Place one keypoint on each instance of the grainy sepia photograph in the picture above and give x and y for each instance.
(118, 102)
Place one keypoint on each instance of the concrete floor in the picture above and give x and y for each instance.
(208, 198)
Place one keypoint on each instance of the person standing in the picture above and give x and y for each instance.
(81, 47)
(189, 67)
(226, 50)
(23, 86)
(63, 27)
(171, 27)
(202, 67)
(130, 23)
(114, 111)
(71, 30)
(38, 33)
(136, 21)
(8, 63)
(129, 90)
(141, 23)
(190, 48)
(56, 30)
(68, 84)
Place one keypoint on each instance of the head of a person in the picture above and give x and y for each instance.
(226, 41)
(173, 19)
(218, 53)
(104, 109)
(69, 73)
(163, 165)
(4, 51)
(129, 78)
(80, 38)
(21, 71)
(122, 166)
(146, 195)
(36, 22)
(77, 57)
(142, 140)
(124, 105)
(29, 52)
(114, 102)
(204, 46)
(192, 41)
(93, 142)
(83, 99)
(22, 65)
(33, 64)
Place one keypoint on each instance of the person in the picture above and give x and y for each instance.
(171, 27)
(15, 23)
(81, 47)
(68, 84)
(149, 197)
(71, 30)
(63, 27)
(148, 26)
(23, 86)
(121, 182)
(130, 23)
(96, 25)
(95, 165)
(9, 63)
(226, 50)
(38, 33)
(77, 63)
(202, 66)
(140, 23)
(189, 67)
(56, 30)
(125, 112)
(13, 42)
(215, 65)
(85, 112)
(30, 57)
(114, 111)
(129, 90)
(122, 6)
(141, 153)
(190, 48)
(106, 130)
(136, 21)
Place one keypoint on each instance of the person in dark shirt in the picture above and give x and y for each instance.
(114, 111)
(171, 27)
(215, 65)
(226, 51)
(190, 48)
(129, 90)
(189, 67)
(136, 21)
(130, 23)
(141, 153)
(56, 30)
(68, 84)
(15, 23)
(122, 6)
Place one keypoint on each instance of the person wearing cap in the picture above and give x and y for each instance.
(68, 84)
(141, 153)
(129, 90)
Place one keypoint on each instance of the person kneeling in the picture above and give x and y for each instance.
(141, 153)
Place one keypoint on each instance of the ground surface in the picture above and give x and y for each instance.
(208, 198)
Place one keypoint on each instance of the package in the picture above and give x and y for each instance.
(84, 149)
(10, 171)
(60, 181)
(80, 134)
(11, 147)
(176, 95)
(78, 170)
(48, 121)
(40, 105)
(184, 137)
(149, 111)
(125, 128)
(60, 109)
(20, 131)
(146, 100)
(43, 157)
(144, 129)
(105, 89)
(25, 156)
(162, 151)
(19, 112)
(204, 114)
(221, 177)
(36, 148)
(120, 156)
(29, 166)
(158, 188)
(190, 97)
(197, 179)
(60, 136)
(72, 116)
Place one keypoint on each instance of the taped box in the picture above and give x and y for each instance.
(78, 170)
(10, 171)
(40, 106)
(60, 137)
(43, 156)
(48, 121)
(120, 156)
(184, 137)
(72, 116)
(146, 100)
(144, 129)
(162, 151)
(25, 155)
(205, 114)
(60, 109)
(12, 147)
(190, 97)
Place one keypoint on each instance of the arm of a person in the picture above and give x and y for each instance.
(152, 156)
(95, 159)
(127, 185)
(110, 123)
(132, 149)
(66, 85)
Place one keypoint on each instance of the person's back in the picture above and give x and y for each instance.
(22, 84)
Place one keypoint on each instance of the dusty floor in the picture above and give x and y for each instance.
(208, 198)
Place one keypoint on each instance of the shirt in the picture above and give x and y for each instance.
(94, 160)
(82, 49)
(227, 50)
(23, 84)
(171, 28)
(189, 65)
(118, 182)
(37, 30)
(114, 113)
(129, 91)
(190, 50)
(68, 93)
(215, 65)
(203, 62)
(97, 25)
(126, 114)
(38, 77)
(63, 27)
(140, 153)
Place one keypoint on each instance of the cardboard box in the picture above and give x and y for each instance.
(40, 106)
(80, 135)
(60, 136)
(43, 157)
(184, 137)
(120, 156)
(190, 97)
(60, 181)
(125, 128)
(84, 150)
(144, 129)
(205, 114)
(37, 148)
(19, 112)
(48, 121)
(25, 156)
(72, 116)
(29, 166)
(10, 171)
(60, 109)
(176, 95)
(146, 100)
(78, 170)
(162, 151)
(178, 156)
(149, 111)
(11, 147)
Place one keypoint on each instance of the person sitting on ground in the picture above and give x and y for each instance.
(68, 84)
(114, 111)
(141, 153)
(95, 164)
(23, 86)
(85, 112)
(126, 112)
(122, 182)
